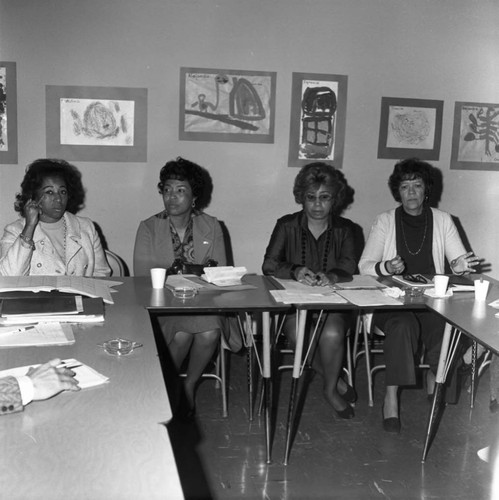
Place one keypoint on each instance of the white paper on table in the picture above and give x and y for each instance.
(360, 281)
(307, 297)
(86, 376)
(40, 334)
(366, 298)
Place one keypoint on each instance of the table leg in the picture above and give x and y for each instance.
(450, 338)
(267, 381)
(300, 336)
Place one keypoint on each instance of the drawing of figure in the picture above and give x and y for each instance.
(244, 101)
(203, 103)
(3, 116)
(411, 127)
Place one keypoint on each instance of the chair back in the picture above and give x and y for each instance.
(115, 263)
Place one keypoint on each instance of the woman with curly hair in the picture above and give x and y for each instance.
(182, 232)
(49, 239)
(316, 247)
(413, 238)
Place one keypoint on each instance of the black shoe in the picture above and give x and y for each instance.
(350, 396)
(391, 424)
(346, 414)
(185, 410)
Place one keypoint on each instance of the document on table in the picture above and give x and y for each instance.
(73, 284)
(366, 298)
(39, 335)
(298, 293)
(360, 282)
(86, 376)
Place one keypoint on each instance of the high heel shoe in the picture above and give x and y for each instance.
(186, 411)
(346, 414)
(350, 396)
(391, 424)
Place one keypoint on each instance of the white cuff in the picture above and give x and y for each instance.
(26, 388)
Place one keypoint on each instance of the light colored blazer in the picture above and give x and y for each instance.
(381, 245)
(153, 244)
(84, 253)
(10, 396)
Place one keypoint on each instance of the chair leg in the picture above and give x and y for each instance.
(367, 348)
(349, 367)
(473, 374)
(223, 377)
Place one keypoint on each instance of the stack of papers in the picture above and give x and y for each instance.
(89, 287)
(41, 334)
(86, 376)
(224, 275)
(23, 311)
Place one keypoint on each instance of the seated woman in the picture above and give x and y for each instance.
(49, 239)
(182, 231)
(413, 238)
(316, 247)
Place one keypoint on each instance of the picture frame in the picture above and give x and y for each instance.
(223, 105)
(410, 128)
(8, 113)
(318, 117)
(105, 124)
(475, 137)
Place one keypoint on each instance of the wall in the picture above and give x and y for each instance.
(443, 49)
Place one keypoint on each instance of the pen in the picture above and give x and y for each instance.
(69, 366)
(19, 330)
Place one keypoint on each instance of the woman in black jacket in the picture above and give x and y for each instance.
(316, 247)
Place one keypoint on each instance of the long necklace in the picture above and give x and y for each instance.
(64, 241)
(424, 235)
(326, 248)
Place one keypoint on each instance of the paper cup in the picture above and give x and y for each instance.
(158, 276)
(441, 283)
(481, 289)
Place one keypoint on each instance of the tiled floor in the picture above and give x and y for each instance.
(331, 458)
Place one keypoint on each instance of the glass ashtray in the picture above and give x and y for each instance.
(413, 292)
(119, 347)
(184, 292)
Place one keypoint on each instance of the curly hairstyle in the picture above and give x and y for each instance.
(198, 178)
(315, 174)
(43, 168)
(409, 170)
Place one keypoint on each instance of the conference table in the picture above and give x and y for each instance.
(256, 299)
(462, 313)
(109, 441)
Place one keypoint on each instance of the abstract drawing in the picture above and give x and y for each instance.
(410, 127)
(318, 109)
(96, 123)
(475, 143)
(8, 113)
(226, 105)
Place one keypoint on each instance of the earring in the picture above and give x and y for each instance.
(193, 204)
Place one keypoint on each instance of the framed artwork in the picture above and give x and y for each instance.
(410, 128)
(475, 139)
(227, 105)
(96, 123)
(318, 116)
(8, 113)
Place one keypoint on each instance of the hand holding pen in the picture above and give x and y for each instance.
(307, 277)
(51, 378)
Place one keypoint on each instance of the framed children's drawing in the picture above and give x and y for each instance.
(318, 116)
(227, 105)
(96, 123)
(8, 113)
(410, 128)
(475, 139)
